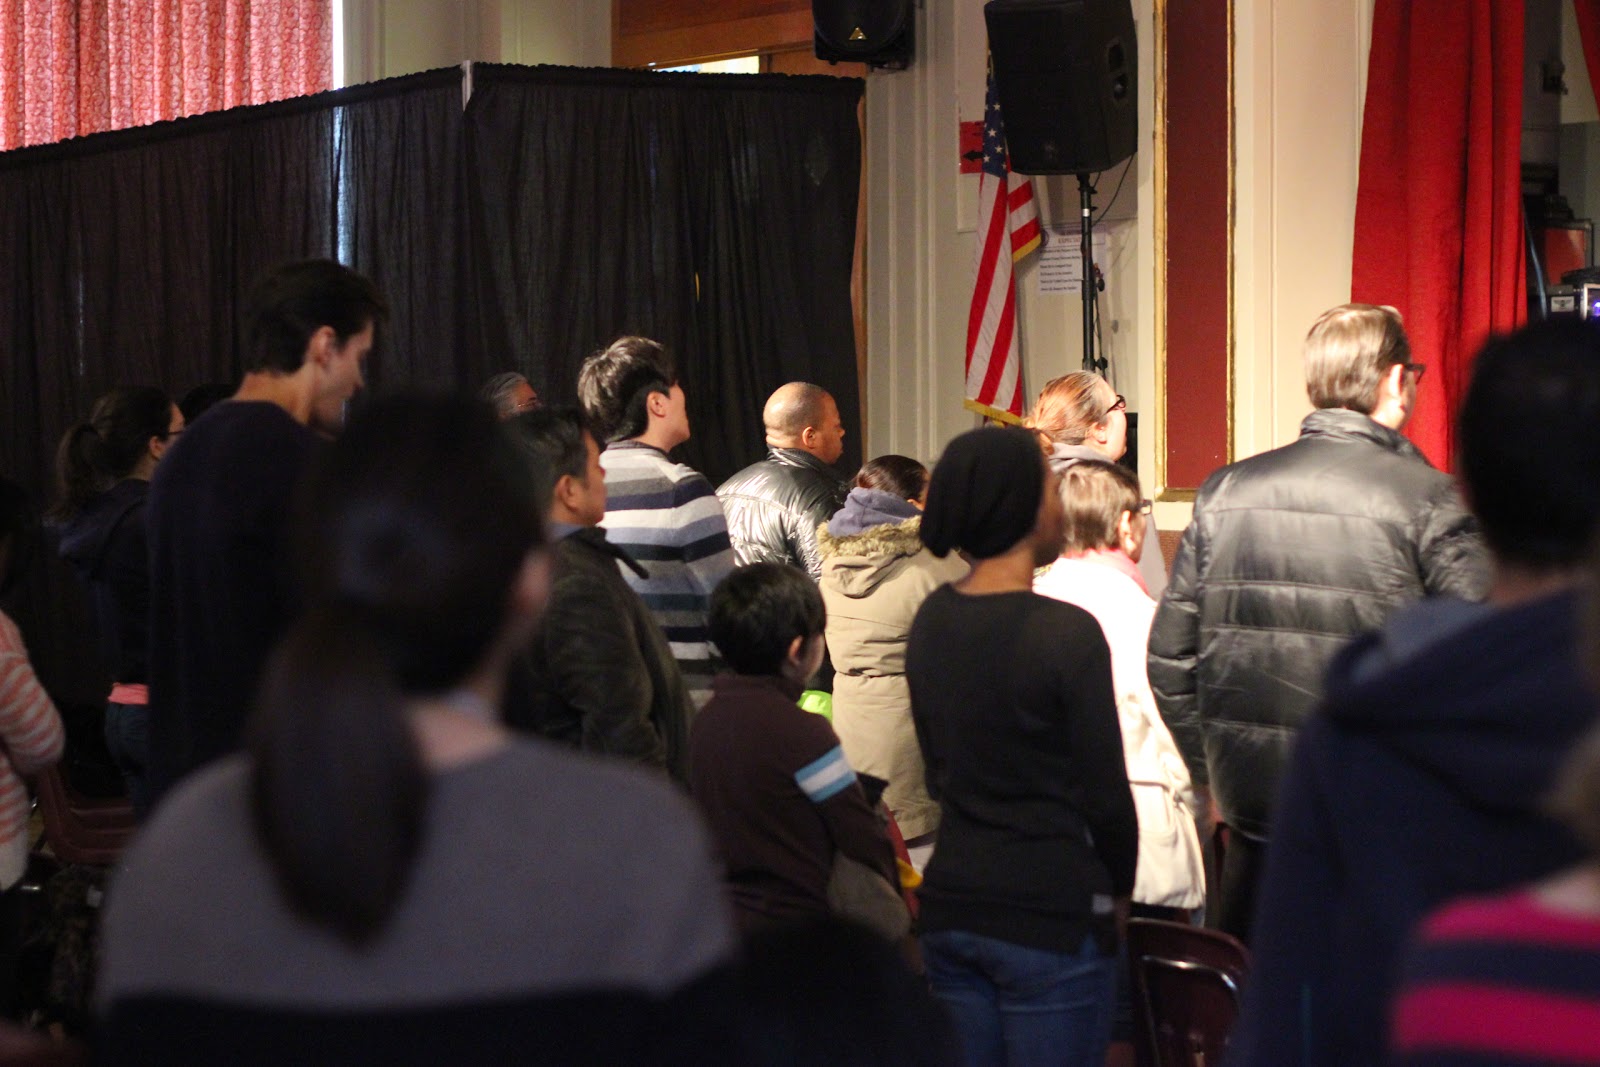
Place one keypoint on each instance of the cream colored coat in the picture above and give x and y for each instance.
(873, 583)
(1171, 873)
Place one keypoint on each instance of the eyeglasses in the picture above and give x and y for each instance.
(1417, 369)
(531, 404)
(1120, 404)
(1146, 506)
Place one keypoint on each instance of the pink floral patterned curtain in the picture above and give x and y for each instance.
(72, 67)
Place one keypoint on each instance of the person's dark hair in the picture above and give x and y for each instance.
(19, 527)
(554, 438)
(900, 475)
(1094, 496)
(496, 392)
(984, 495)
(758, 610)
(615, 385)
(294, 300)
(1529, 436)
(202, 398)
(95, 455)
(413, 528)
(827, 992)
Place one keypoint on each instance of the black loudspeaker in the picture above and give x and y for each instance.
(874, 32)
(1067, 75)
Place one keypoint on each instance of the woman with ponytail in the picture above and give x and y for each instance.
(103, 468)
(387, 875)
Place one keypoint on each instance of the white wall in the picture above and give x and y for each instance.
(387, 38)
(1298, 158)
(1297, 150)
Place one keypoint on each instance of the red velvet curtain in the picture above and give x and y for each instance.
(72, 67)
(1589, 32)
(1438, 212)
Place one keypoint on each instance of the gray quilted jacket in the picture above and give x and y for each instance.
(1289, 555)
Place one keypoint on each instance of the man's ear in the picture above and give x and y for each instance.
(322, 347)
(565, 487)
(1394, 379)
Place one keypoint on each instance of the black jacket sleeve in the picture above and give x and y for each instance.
(1450, 550)
(596, 668)
(1174, 655)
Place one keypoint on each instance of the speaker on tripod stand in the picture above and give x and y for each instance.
(1067, 75)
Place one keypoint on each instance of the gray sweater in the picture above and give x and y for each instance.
(558, 903)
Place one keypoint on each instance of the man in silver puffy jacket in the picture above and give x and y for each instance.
(1290, 553)
(775, 506)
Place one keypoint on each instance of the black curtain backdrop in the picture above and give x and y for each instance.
(715, 213)
(127, 255)
(562, 208)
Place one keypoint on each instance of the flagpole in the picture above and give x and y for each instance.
(993, 414)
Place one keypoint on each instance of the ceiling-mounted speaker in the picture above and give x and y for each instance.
(874, 32)
(1067, 75)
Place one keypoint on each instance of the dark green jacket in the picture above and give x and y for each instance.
(602, 672)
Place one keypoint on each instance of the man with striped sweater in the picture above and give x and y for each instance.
(663, 514)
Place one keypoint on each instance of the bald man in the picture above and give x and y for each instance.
(775, 506)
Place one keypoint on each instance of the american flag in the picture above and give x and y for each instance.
(1008, 229)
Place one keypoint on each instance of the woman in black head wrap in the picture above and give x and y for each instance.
(1023, 901)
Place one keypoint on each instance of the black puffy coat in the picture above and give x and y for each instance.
(775, 506)
(1290, 554)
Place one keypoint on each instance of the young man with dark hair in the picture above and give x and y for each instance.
(602, 675)
(1423, 776)
(219, 504)
(772, 779)
(662, 513)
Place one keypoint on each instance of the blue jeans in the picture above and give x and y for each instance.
(1023, 1007)
(128, 738)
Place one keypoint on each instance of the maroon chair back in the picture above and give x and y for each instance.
(28, 1048)
(1186, 982)
(80, 830)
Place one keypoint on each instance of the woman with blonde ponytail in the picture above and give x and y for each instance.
(387, 875)
(1079, 416)
(103, 470)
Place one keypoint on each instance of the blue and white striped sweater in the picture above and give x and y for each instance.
(666, 516)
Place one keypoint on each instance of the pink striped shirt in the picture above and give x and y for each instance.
(31, 735)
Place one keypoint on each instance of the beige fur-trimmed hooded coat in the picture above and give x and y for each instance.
(873, 583)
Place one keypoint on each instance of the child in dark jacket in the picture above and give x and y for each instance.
(771, 778)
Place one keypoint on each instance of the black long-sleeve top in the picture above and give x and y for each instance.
(1012, 699)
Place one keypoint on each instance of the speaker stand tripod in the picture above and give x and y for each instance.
(1091, 362)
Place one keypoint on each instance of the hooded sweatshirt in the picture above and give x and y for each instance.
(105, 544)
(875, 575)
(1153, 564)
(1420, 780)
